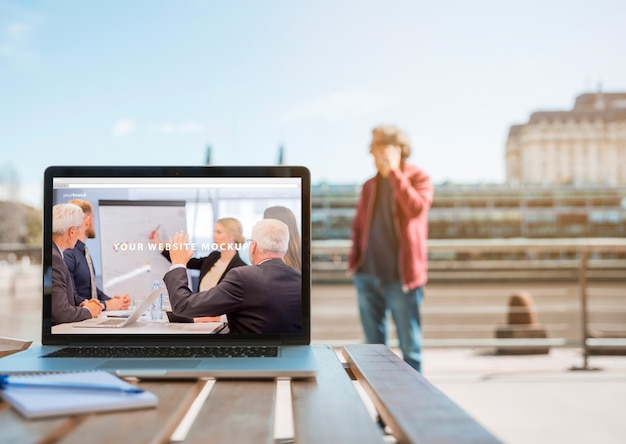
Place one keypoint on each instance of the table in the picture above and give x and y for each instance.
(9, 346)
(140, 327)
(326, 409)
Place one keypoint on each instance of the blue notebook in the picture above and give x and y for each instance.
(59, 394)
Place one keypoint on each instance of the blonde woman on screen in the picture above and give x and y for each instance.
(228, 237)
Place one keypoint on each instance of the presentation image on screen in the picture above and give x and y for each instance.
(131, 264)
(230, 286)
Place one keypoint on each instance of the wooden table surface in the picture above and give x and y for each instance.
(326, 409)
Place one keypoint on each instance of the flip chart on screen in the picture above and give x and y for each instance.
(130, 262)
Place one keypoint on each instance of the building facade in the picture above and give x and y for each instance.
(491, 211)
(585, 145)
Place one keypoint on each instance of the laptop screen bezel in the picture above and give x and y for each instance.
(86, 338)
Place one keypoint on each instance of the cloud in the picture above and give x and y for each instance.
(16, 38)
(123, 127)
(13, 39)
(185, 128)
(191, 127)
(339, 105)
(18, 31)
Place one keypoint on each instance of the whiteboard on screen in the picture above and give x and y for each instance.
(130, 263)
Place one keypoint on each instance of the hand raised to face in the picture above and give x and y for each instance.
(387, 158)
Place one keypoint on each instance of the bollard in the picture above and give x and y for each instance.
(522, 323)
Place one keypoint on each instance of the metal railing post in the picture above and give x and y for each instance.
(582, 281)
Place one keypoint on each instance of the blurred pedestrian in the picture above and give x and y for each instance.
(389, 233)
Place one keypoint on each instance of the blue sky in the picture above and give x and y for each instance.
(155, 82)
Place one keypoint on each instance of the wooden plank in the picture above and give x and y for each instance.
(9, 345)
(328, 408)
(14, 428)
(238, 412)
(414, 409)
(154, 425)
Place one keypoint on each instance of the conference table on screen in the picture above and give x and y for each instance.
(143, 326)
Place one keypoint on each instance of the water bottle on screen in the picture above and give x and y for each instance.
(156, 310)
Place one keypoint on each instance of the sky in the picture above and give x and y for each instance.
(154, 82)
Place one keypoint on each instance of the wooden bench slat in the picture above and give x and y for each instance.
(154, 425)
(328, 408)
(14, 428)
(237, 412)
(414, 409)
(9, 346)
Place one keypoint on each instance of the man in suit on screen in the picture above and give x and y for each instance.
(67, 220)
(265, 297)
(80, 265)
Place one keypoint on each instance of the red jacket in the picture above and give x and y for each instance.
(413, 193)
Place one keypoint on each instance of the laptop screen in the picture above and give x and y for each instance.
(135, 213)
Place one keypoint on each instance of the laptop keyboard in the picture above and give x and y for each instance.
(112, 322)
(166, 352)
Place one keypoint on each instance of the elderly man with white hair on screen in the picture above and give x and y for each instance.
(265, 297)
(67, 220)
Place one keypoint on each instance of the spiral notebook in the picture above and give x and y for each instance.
(60, 394)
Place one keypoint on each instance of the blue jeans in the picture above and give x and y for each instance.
(376, 297)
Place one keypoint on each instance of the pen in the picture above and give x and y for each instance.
(5, 382)
(153, 232)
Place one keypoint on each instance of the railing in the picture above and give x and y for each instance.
(11, 253)
(572, 263)
(19, 263)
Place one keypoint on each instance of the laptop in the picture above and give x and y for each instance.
(113, 322)
(131, 204)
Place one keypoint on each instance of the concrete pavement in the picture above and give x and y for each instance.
(535, 399)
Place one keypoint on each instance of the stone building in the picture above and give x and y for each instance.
(586, 145)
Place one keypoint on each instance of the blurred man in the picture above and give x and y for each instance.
(265, 297)
(389, 232)
(67, 220)
(80, 265)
